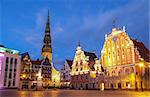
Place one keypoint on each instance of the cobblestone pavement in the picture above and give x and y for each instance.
(73, 93)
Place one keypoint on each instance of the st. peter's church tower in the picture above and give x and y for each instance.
(47, 48)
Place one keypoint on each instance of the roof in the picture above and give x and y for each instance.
(36, 62)
(91, 55)
(143, 51)
(69, 62)
(25, 54)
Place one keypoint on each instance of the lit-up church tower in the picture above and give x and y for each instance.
(52, 76)
(47, 48)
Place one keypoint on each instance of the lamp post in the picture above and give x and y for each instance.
(39, 80)
(141, 65)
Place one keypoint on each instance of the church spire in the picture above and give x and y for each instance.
(79, 43)
(47, 49)
(47, 37)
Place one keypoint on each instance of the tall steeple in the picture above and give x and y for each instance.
(47, 49)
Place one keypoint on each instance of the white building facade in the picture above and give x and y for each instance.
(9, 68)
(86, 72)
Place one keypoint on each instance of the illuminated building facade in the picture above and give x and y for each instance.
(121, 57)
(25, 71)
(9, 68)
(86, 70)
(65, 76)
(46, 73)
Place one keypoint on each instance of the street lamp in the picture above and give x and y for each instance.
(141, 65)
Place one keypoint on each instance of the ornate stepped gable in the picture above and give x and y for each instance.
(83, 61)
(120, 49)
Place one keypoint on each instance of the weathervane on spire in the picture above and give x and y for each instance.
(114, 23)
(79, 43)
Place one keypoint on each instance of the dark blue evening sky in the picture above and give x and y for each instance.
(22, 24)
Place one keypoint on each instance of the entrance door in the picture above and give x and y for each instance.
(119, 85)
(112, 86)
(86, 86)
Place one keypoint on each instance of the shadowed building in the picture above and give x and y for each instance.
(65, 76)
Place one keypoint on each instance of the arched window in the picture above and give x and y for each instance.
(113, 73)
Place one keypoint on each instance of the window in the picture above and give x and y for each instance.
(7, 59)
(86, 77)
(11, 61)
(9, 83)
(5, 82)
(6, 68)
(10, 75)
(14, 82)
(81, 69)
(15, 61)
(14, 75)
(77, 69)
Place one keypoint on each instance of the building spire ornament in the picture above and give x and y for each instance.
(114, 23)
(124, 29)
(79, 43)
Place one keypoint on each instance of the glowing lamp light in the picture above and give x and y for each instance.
(129, 86)
(141, 64)
(93, 74)
(23, 75)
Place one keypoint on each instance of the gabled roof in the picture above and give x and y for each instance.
(25, 54)
(36, 62)
(69, 63)
(91, 55)
(143, 51)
